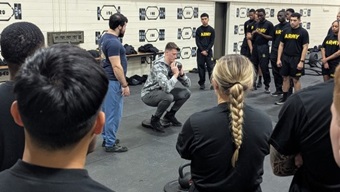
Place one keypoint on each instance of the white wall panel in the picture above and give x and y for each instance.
(76, 15)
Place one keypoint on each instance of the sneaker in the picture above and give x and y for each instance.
(277, 93)
(259, 84)
(280, 102)
(202, 87)
(104, 142)
(116, 148)
(267, 90)
(170, 117)
(156, 124)
(254, 88)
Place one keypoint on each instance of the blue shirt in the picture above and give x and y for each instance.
(110, 46)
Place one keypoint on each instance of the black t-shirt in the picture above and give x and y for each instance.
(250, 27)
(303, 127)
(206, 140)
(267, 28)
(246, 26)
(277, 33)
(12, 138)
(331, 46)
(293, 40)
(27, 177)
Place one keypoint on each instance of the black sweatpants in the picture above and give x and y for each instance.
(202, 63)
(260, 57)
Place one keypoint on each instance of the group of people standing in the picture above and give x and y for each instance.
(288, 51)
(305, 142)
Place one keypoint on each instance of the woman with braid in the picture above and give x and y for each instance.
(227, 143)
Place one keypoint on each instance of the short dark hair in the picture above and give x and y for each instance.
(290, 10)
(116, 20)
(205, 15)
(261, 10)
(18, 41)
(170, 46)
(282, 11)
(59, 91)
(297, 15)
(252, 11)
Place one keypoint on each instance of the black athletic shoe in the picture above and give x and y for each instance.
(202, 87)
(116, 148)
(267, 90)
(280, 102)
(259, 84)
(117, 142)
(277, 93)
(156, 124)
(254, 87)
(170, 117)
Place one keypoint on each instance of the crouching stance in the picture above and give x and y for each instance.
(159, 89)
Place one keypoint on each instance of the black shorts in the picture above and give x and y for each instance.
(289, 67)
(330, 72)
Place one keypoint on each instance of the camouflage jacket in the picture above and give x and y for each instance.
(161, 78)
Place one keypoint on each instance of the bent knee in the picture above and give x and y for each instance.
(187, 93)
(168, 98)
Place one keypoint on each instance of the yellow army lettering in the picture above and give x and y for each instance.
(205, 34)
(278, 32)
(332, 42)
(262, 30)
(291, 36)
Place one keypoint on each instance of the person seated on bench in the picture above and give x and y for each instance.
(159, 89)
(227, 143)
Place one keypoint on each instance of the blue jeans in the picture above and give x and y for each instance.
(113, 109)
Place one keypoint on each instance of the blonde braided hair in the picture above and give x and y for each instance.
(234, 74)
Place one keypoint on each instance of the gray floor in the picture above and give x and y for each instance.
(152, 159)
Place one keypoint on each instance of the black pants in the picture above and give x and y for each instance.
(245, 51)
(260, 58)
(162, 100)
(278, 80)
(202, 63)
